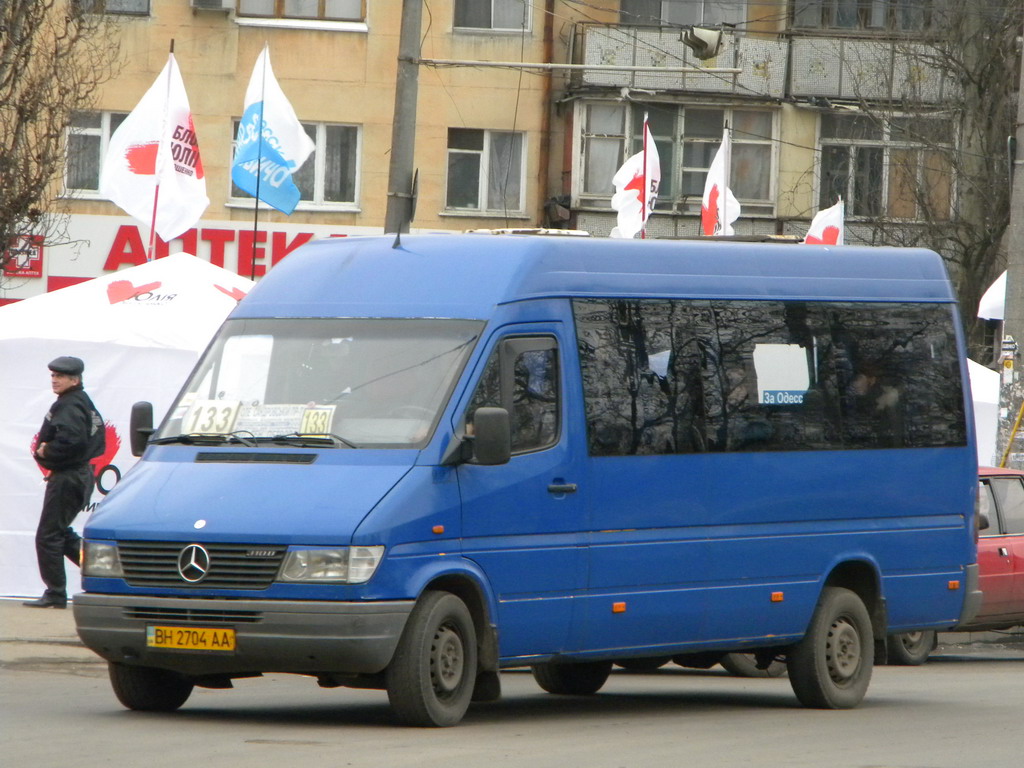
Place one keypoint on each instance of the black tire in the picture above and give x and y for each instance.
(147, 689)
(572, 679)
(830, 668)
(643, 664)
(745, 665)
(431, 677)
(911, 649)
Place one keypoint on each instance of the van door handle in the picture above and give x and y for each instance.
(562, 488)
(1002, 550)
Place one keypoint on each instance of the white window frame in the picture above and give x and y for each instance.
(485, 154)
(527, 27)
(690, 12)
(887, 144)
(319, 161)
(672, 178)
(104, 132)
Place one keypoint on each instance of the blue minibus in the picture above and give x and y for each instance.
(410, 465)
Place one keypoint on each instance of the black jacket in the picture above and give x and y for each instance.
(73, 431)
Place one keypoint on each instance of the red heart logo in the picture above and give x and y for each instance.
(235, 293)
(122, 290)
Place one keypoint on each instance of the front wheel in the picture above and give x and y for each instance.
(911, 649)
(581, 679)
(830, 668)
(147, 689)
(430, 679)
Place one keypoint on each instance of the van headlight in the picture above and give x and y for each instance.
(100, 559)
(339, 565)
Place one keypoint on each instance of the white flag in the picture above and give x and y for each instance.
(636, 188)
(827, 226)
(153, 160)
(719, 207)
(271, 144)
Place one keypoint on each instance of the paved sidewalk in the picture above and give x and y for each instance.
(39, 634)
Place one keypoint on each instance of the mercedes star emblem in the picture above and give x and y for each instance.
(193, 563)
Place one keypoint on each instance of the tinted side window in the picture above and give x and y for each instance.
(686, 376)
(522, 376)
(1009, 495)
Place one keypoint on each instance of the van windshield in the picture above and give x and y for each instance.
(335, 382)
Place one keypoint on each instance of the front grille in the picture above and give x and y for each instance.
(193, 615)
(232, 566)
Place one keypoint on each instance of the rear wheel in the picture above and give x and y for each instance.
(147, 689)
(831, 667)
(572, 679)
(745, 665)
(910, 649)
(430, 679)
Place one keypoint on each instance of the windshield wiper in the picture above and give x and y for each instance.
(190, 438)
(311, 437)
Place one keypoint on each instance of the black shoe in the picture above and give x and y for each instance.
(46, 602)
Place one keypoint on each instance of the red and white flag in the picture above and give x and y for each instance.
(636, 188)
(152, 168)
(719, 207)
(827, 226)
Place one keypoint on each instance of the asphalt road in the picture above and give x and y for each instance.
(964, 708)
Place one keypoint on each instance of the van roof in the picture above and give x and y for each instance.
(467, 275)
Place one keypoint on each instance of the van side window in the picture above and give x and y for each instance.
(522, 376)
(694, 376)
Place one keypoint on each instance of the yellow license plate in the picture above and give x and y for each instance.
(191, 638)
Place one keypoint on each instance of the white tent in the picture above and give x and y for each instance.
(985, 393)
(139, 331)
(993, 302)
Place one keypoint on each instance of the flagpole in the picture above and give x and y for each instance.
(156, 165)
(727, 163)
(647, 183)
(259, 163)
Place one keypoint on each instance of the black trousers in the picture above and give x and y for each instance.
(67, 492)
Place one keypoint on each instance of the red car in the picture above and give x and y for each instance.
(1000, 564)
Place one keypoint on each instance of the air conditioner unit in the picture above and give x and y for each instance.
(213, 5)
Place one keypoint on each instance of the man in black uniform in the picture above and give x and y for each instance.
(71, 435)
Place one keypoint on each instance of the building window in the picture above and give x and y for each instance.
(485, 171)
(330, 176)
(326, 10)
(492, 14)
(125, 7)
(898, 169)
(687, 140)
(88, 137)
(672, 12)
(892, 15)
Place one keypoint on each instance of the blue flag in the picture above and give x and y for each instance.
(271, 143)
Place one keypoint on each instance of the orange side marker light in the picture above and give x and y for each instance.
(438, 529)
(778, 597)
(954, 584)
(618, 607)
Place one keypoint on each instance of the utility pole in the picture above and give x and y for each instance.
(1011, 390)
(403, 129)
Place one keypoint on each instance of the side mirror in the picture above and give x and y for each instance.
(140, 427)
(492, 436)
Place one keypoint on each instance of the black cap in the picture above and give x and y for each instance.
(71, 366)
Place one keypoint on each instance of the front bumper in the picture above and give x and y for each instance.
(271, 635)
